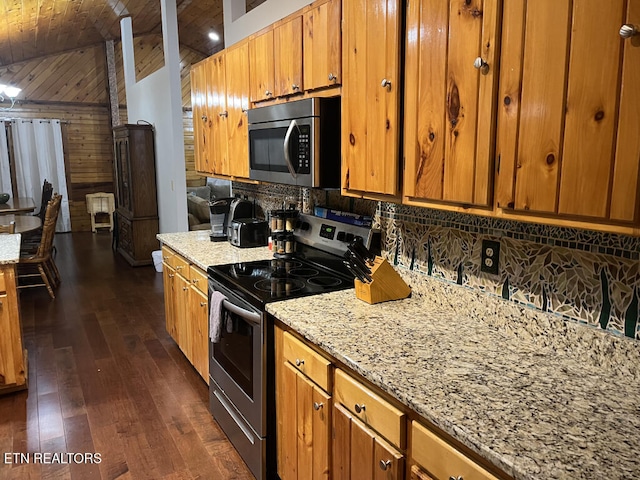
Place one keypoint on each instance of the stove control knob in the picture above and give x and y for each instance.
(349, 237)
(340, 236)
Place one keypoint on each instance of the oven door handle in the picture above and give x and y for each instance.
(287, 148)
(252, 317)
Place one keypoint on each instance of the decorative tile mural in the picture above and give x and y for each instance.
(585, 276)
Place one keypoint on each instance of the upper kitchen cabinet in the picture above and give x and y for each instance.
(261, 71)
(322, 45)
(568, 142)
(450, 91)
(201, 118)
(371, 97)
(287, 44)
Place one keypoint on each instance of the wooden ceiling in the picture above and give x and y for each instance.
(38, 28)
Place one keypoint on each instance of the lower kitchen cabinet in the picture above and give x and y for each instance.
(187, 309)
(13, 364)
(361, 453)
(303, 406)
(439, 459)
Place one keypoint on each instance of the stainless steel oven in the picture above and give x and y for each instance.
(238, 373)
(296, 143)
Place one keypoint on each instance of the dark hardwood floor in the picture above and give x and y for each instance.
(105, 377)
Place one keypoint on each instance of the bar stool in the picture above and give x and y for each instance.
(100, 202)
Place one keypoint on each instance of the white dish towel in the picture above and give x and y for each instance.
(215, 316)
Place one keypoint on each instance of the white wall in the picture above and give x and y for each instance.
(157, 100)
(239, 25)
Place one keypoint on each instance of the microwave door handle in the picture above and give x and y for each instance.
(287, 141)
(247, 315)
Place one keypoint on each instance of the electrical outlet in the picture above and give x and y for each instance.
(490, 257)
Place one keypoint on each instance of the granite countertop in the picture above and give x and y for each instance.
(537, 397)
(200, 250)
(536, 413)
(9, 248)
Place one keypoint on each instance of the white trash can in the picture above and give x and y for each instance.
(157, 260)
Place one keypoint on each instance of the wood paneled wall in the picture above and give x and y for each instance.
(72, 87)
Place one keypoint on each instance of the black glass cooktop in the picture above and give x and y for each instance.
(280, 279)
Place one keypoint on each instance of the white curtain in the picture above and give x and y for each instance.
(37, 145)
(5, 170)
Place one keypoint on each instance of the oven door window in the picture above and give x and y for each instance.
(235, 352)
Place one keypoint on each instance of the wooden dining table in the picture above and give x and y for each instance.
(18, 205)
(24, 223)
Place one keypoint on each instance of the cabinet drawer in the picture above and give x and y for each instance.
(440, 459)
(198, 279)
(369, 407)
(307, 361)
(167, 255)
(181, 265)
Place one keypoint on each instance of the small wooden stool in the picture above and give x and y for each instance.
(101, 202)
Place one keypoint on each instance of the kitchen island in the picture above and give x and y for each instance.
(534, 412)
(13, 363)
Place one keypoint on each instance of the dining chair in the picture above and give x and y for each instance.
(41, 264)
(10, 228)
(47, 193)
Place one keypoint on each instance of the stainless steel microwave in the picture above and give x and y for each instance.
(296, 143)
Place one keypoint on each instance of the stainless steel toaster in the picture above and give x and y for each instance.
(248, 232)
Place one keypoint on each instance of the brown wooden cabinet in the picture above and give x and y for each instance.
(13, 365)
(202, 119)
(262, 67)
(303, 407)
(287, 46)
(137, 204)
(371, 89)
(450, 94)
(568, 143)
(199, 319)
(322, 45)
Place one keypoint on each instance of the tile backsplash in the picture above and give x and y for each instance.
(585, 276)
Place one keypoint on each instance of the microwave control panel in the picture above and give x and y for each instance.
(304, 149)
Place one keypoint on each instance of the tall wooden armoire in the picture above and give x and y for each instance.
(136, 194)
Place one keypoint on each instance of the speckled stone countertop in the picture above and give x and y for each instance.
(535, 412)
(199, 249)
(9, 248)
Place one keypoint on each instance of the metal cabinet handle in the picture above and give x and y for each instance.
(267, 93)
(456, 478)
(179, 267)
(171, 275)
(299, 362)
(359, 408)
(332, 77)
(185, 288)
(203, 304)
(628, 30)
(386, 83)
(295, 87)
(204, 118)
(194, 280)
(223, 114)
(481, 65)
(385, 465)
(317, 406)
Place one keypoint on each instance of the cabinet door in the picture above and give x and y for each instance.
(182, 318)
(168, 277)
(322, 45)
(306, 428)
(237, 81)
(199, 320)
(565, 143)
(218, 109)
(201, 124)
(261, 71)
(359, 453)
(450, 100)
(287, 44)
(370, 97)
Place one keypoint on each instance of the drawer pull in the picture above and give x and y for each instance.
(359, 408)
(203, 304)
(185, 288)
(179, 267)
(171, 275)
(194, 280)
(385, 465)
(299, 362)
(456, 478)
(316, 406)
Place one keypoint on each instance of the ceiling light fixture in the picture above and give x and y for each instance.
(214, 36)
(9, 91)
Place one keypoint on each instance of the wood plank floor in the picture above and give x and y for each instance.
(105, 377)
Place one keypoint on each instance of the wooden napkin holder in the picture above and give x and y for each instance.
(386, 284)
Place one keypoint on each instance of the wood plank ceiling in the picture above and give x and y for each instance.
(39, 28)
